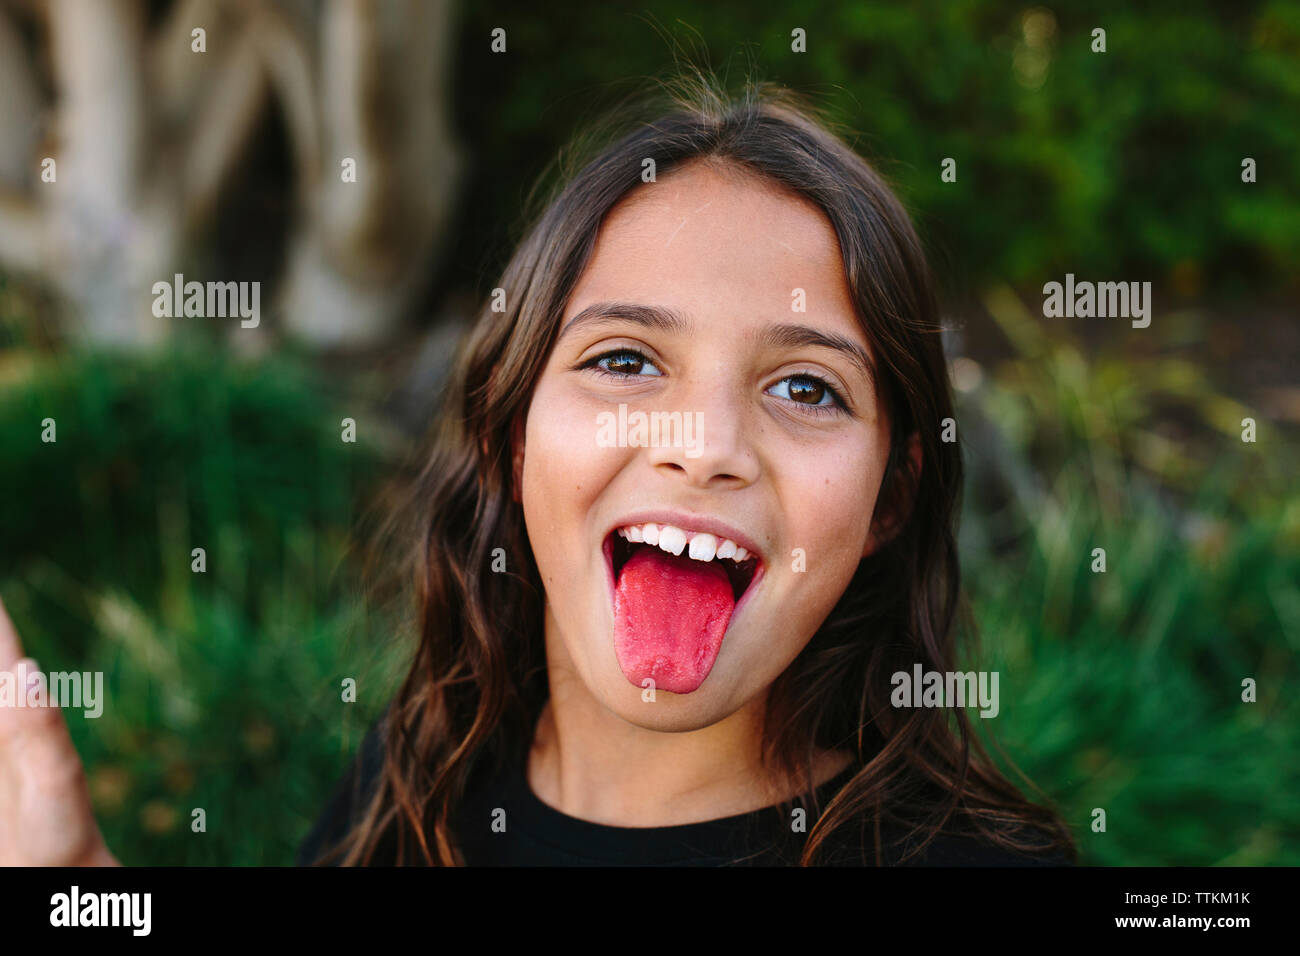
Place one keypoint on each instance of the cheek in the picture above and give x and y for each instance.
(563, 474)
(830, 508)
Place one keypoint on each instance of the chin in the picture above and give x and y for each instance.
(667, 712)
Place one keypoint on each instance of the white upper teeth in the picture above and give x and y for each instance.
(703, 546)
(672, 539)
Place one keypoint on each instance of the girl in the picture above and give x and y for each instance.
(688, 514)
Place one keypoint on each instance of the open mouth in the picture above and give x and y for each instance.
(619, 549)
(674, 594)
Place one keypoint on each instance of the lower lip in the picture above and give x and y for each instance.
(607, 550)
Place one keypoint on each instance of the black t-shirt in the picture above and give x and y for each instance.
(535, 834)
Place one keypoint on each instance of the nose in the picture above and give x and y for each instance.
(713, 446)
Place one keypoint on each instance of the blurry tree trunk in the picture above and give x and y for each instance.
(364, 248)
(146, 132)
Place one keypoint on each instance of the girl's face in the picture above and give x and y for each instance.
(710, 376)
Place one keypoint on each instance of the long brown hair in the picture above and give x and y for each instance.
(478, 680)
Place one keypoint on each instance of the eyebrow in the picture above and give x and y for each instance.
(798, 336)
(654, 317)
(671, 321)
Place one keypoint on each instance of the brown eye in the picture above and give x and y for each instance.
(627, 363)
(810, 392)
(807, 391)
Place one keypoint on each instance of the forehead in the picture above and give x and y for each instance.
(708, 235)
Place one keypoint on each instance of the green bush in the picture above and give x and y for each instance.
(1067, 160)
(1123, 690)
(223, 688)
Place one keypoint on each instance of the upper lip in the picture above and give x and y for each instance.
(690, 522)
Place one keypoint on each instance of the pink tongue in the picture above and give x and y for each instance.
(670, 614)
